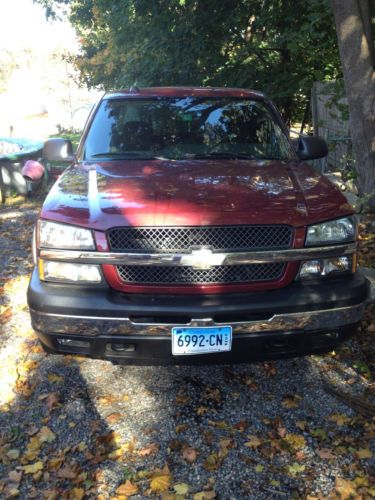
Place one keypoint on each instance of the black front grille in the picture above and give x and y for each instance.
(165, 275)
(183, 239)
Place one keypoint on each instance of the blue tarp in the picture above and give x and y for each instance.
(16, 148)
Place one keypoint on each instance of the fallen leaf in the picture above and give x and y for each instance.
(52, 400)
(189, 454)
(212, 462)
(291, 402)
(241, 426)
(55, 463)
(181, 489)
(301, 424)
(13, 454)
(270, 368)
(363, 453)
(325, 453)
(254, 442)
(295, 469)
(128, 489)
(5, 314)
(204, 495)
(33, 468)
(76, 494)
(182, 399)
(345, 488)
(113, 418)
(67, 472)
(221, 425)
(161, 480)
(201, 410)
(180, 428)
(281, 431)
(15, 476)
(339, 419)
(12, 492)
(45, 435)
(212, 394)
(148, 450)
(293, 442)
(259, 468)
(53, 377)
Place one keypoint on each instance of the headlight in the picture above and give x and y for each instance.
(333, 231)
(69, 273)
(54, 235)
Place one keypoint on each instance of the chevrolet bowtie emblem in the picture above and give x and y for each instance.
(203, 258)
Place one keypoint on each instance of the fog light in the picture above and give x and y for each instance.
(74, 343)
(69, 273)
(326, 267)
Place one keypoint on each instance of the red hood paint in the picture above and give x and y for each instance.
(192, 193)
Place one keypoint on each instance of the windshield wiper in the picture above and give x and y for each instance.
(216, 154)
(128, 155)
(240, 156)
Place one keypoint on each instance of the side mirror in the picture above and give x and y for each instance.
(58, 150)
(32, 171)
(310, 147)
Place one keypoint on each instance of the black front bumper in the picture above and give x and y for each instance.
(300, 319)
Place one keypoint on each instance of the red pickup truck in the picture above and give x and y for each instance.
(189, 229)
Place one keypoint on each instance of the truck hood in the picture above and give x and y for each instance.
(195, 192)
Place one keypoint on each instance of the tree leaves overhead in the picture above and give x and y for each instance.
(279, 46)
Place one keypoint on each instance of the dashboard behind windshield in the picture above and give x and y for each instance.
(182, 128)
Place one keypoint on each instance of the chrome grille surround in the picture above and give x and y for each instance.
(185, 239)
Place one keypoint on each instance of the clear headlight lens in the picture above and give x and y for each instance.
(333, 231)
(327, 267)
(69, 273)
(55, 235)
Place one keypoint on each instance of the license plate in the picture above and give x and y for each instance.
(201, 340)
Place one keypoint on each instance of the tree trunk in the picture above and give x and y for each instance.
(356, 51)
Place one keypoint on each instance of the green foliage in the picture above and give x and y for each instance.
(279, 46)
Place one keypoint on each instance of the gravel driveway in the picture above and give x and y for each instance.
(75, 428)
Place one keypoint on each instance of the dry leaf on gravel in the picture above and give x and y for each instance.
(53, 377)
(325, 453)
(148, 450)
(346, 489)
(128, 489)
(291, 402)
(254, 442)
(189, 454)
(364, 453)
(33, 468)
(113, 418)
(181, 489)
(161, 480)
(67, 472)
(204, 495)
(15, 476)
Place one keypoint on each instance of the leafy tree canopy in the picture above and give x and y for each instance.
(278, 46)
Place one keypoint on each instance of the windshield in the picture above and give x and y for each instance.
(182, 128)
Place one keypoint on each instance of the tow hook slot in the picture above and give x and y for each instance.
(121, 348)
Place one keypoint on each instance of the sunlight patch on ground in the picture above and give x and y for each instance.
(14, 364)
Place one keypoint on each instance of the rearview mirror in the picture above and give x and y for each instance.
(58, 150)
(310, 147)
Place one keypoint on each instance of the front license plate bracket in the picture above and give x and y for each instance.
(201, 340)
